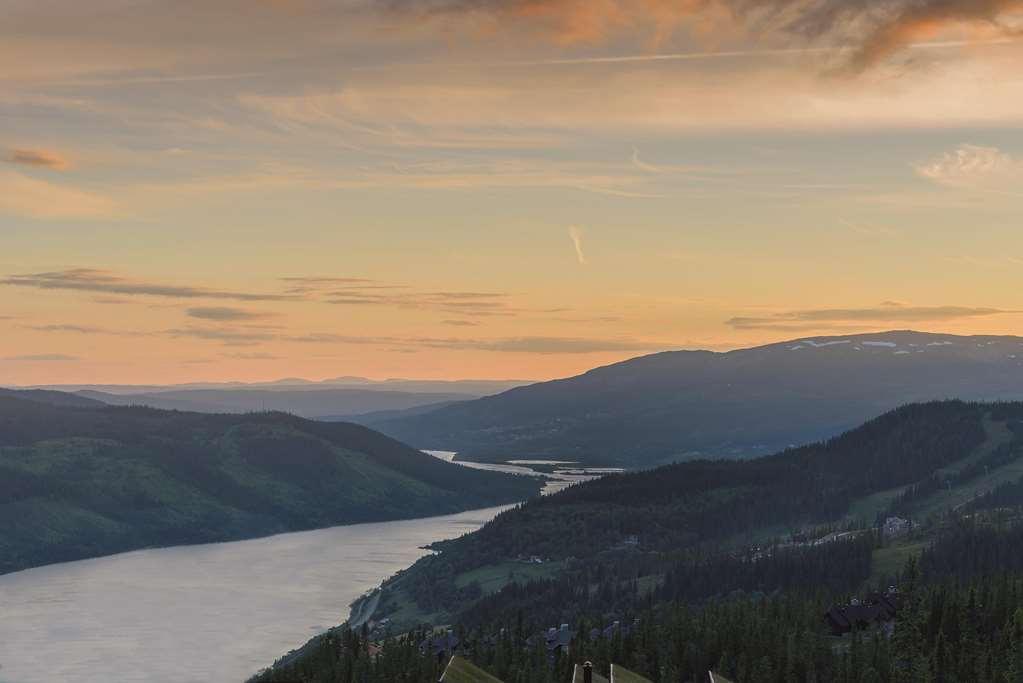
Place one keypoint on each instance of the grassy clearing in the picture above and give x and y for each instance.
(890, 560)
(960, 495)
(998, 434)
(462, 671)
(866, 509)
(404, 613)
(494, 577)
(620, 675)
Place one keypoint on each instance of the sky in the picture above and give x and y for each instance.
(251, 189)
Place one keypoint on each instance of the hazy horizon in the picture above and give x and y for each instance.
(355, 382)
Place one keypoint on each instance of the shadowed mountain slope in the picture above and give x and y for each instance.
(80, 482)
(686, 404)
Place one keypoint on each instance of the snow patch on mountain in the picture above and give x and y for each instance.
(821, 345)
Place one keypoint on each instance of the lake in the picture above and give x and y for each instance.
(200, 614)
(212, 613)
(562, 474)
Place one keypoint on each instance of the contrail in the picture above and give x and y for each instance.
(577, 240)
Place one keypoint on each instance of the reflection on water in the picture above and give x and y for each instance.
(205, 614)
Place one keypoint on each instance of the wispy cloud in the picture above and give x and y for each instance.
(252, 356)
(334, 291)
(34, 198)
(225, 314)
(555, 345)
(575, 233)
(106, 282)
(42, 358)
(364, 292)
(79, 329)
(71, 328)
(529, 344)
(888, 312)
(303, 285)
(975, 167)
(39, 158)
(226, 336)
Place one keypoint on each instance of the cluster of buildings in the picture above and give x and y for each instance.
(896, 526)
(556, 640)
(559, 639)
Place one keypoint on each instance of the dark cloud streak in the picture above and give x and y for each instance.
(811, 319)
(871, 29)
(38, 158)
(105, 282)
(225, 314)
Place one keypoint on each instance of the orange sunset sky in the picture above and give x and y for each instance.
(251, 189)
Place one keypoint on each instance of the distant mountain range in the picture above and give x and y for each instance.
(332, 399)
(467, 387)
(54, 398)
(80, 479)
(685, 404)
(315, 403)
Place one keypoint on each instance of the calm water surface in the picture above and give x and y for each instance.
(200, 614)
(211, 613)
(562, 477)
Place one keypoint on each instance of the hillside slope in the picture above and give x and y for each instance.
(916, 461)
(80, 482)
(55, 398)
(801, 520)
(686, 404)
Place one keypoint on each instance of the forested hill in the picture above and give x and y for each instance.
(57, 398)
(918, 460)
(689, 404)
(717, 545)
(77, 482)
(958, 619)
(705, 501)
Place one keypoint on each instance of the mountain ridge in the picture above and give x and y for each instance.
(679, 405)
